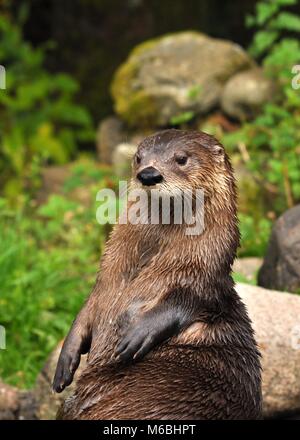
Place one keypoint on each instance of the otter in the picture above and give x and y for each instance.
(167, 335)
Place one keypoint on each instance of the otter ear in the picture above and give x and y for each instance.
(218, 152)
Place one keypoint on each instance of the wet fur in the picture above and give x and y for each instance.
(209, 367)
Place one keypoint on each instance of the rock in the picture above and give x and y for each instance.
(173, 74)
(49, 402)
(247, 267)
(245, 94)
(9, 402)
(28, 406)
(53, 179)
(16, 404)
(122, 158)
(74, 180)
(281, 267)
(275, 317)
(110, 133)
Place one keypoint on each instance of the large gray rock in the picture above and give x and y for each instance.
(110, 133)
(245, 94)
(281, 267)
(16, 404)
(9, 402)
(166, 76)
(276, 321)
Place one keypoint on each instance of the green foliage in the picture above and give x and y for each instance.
(39, 120)
(271, 20)
(48, 262)
(273, 138)
(182, 118)
(255, 235)
(194, 92)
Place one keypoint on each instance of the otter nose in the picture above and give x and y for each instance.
(149, 176)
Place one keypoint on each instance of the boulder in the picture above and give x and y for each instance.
(281, 267)
(110, 133)
(16, 404)
(52, 181)
(245, 93)
(174, 74)
(275, 317)
(122, 158)
(9, 402)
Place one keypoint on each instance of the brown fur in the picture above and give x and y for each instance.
(210, 369)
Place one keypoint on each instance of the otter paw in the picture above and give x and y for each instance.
(143, 336)
(66, 367)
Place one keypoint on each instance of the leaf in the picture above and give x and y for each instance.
(285, 2)
(250, 20)
(263, 41)
(182, 118)
(286, 21)
(265, 11)
(194, 92)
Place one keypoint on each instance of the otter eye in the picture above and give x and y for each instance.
(181, 160)
(138, 159)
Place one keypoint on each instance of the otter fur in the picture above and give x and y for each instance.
(167, 335)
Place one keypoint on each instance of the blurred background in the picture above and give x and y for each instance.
(85, 81)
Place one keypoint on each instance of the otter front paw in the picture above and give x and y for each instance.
(147, 332)
(67, 365)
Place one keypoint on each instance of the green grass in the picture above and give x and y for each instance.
(48, 262)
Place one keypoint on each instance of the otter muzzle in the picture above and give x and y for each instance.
(149, 176)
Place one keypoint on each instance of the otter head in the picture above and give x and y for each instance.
(173, 160)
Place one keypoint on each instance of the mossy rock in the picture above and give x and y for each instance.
(246, 93)
(167, 76)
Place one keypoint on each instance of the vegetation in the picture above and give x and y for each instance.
(40, 122)
(272, 140)
(48, 262)
(269, 146)
(47, 253)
